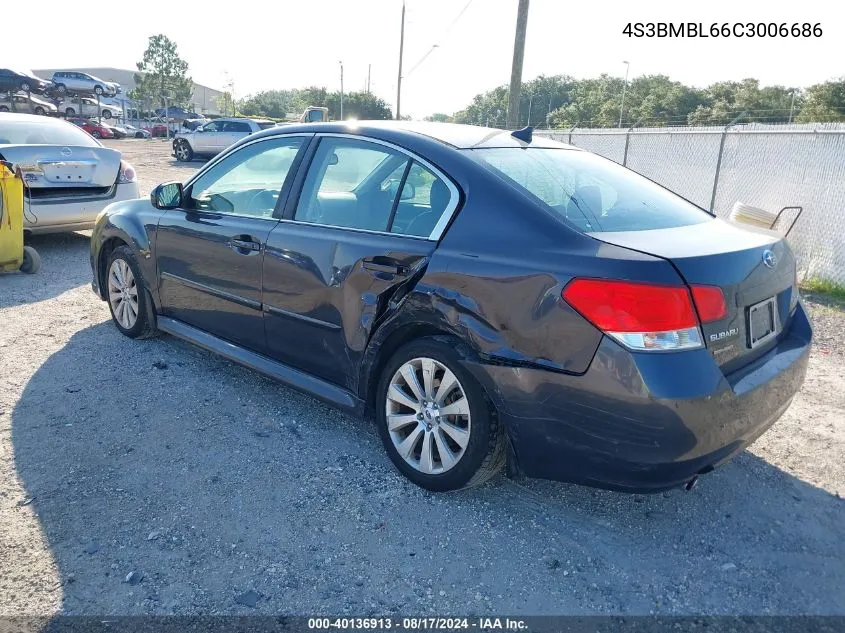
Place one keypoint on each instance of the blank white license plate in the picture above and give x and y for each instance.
(69, 172)
(762, 322)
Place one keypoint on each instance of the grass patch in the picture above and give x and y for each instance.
(831, 289)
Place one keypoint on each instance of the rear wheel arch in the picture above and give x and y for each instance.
(385, 344)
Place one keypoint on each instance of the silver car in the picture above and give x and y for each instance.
(69, 175)
(215, 136)
(73, 81)
(87, 107)
(22, 102)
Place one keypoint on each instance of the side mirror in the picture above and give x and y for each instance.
(198, 129)
(409, 192)
(167, 195)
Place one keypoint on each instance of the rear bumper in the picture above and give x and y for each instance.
(644, 422)
(61, 215)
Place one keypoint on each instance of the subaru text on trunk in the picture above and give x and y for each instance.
(486, 296)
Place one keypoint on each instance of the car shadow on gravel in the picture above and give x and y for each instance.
(168, 480)
(64, 265)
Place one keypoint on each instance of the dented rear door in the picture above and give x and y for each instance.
(327, 288)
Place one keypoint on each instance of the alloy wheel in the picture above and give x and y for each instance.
(123, 294)
(182, 151)
(428, 415)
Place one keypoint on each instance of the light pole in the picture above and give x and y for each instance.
(792, 105)
(399, 77)
(624, 87)
(341, 90)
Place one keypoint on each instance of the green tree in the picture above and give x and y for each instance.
(162, 73)
(272, 103)
(824, 102)
(440, 117)
(357, 105)
(225, 103)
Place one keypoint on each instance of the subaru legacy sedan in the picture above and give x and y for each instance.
(489, 298)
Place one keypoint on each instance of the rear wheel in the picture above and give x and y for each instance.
(106, 114)
(183, 150)
(434, 419)
(98, 90)
(96, 134)
(61, 88)
(31, 261)
(129, 303)
(39, 111)
(25, 87)
(70, 112)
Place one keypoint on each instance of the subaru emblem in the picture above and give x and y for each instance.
(769, 258)
(66, 151)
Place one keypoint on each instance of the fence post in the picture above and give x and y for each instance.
(570, 132)
(628, 140)
(719, 161)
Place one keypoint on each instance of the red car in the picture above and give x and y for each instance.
(159, 129)
(93, 128)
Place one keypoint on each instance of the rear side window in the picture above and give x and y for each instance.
(592, 193)
(236, 126)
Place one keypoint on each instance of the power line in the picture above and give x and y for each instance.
(441, 38)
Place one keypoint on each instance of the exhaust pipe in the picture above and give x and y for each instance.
(691, 483)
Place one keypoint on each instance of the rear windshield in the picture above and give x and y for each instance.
(43, 132)
(592, 193)
(264, 125)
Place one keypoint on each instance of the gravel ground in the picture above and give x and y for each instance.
(152, 477)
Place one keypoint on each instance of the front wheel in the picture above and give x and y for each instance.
(434, 420)
(39, 111)
(61, 88)
(106, 114)
(183, 151)
(70, 112)
(96, 134)
(25, 87)
(98, 90)
(128, 302)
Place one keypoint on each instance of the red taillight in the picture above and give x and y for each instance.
(623, 306)
(710, 302)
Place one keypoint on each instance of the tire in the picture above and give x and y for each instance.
(70, 112)
(139, 135)
(61, 88)
(25, 87)
(31, 261)
(96, 134)
(119, 292)
(483, 453)
(4, 109)
(106, 114)
(183, 150)
(39, 111)
(98, 90)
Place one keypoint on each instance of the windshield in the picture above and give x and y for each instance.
(592, 193)
(46, 132)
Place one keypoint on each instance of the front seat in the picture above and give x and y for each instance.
(424, 223)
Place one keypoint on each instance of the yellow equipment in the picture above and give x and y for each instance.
(13, 254)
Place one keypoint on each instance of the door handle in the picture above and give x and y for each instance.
(383, 264)
(241, 244)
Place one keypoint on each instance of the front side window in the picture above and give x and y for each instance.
(213, 126)
(247, 182)
(592, 193)
(345, 185)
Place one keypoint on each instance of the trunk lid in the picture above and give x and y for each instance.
(65, 166)
(751, 266)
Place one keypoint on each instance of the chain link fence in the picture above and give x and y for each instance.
(766, 166)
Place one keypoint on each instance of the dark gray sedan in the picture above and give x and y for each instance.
(486, 296)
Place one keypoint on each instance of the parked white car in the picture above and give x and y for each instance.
(22, 103)
(73, 81)
(70, 176)
(71, 107)
(215, 136)
(134, 132)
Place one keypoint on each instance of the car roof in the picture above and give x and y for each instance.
(456, 135)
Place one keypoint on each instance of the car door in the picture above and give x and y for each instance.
(208, 141)
(209, 251)
(234, 131)
(337, 258)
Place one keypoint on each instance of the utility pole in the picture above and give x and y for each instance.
(399, 79)
(369, 72)
(341, 90)
(516, 68)
(624, 87)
